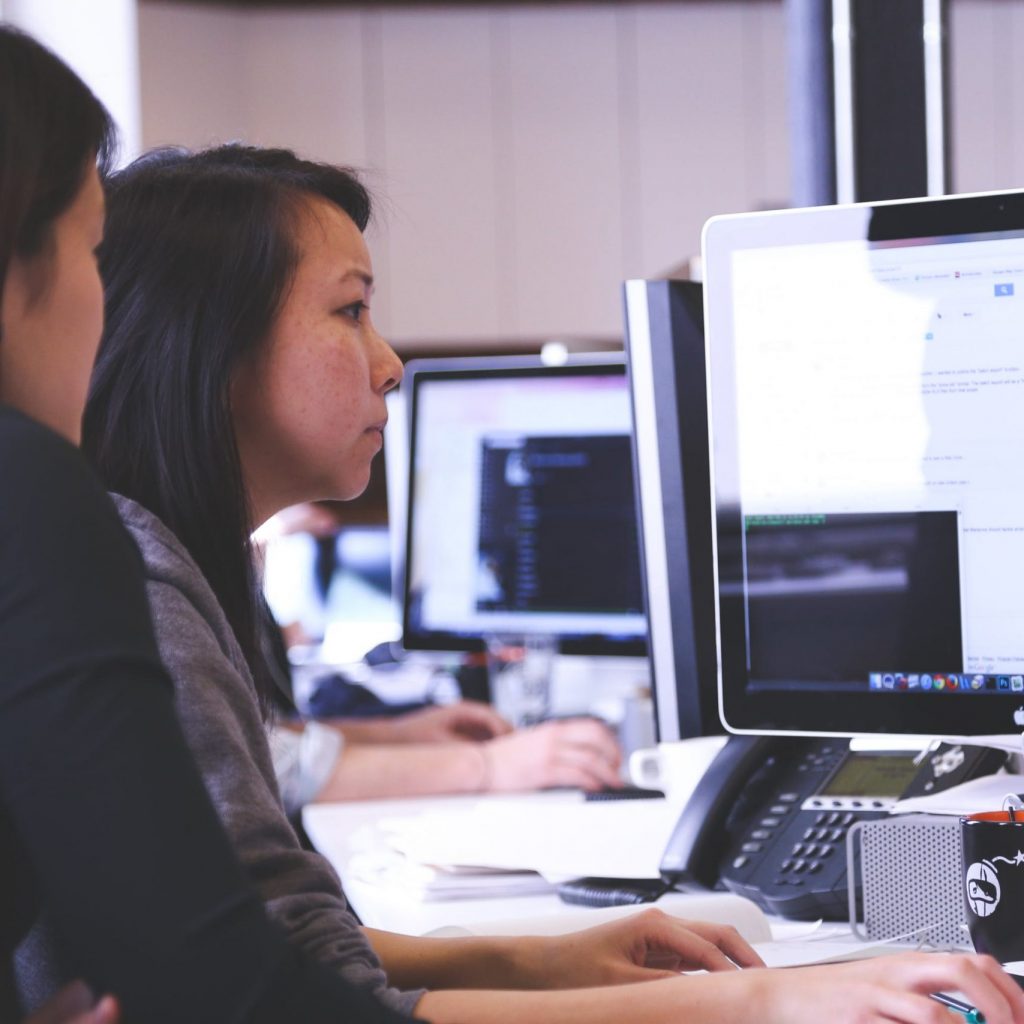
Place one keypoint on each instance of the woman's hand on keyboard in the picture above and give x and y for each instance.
(884, 990)
(645, 946)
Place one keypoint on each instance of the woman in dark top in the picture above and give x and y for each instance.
(104, 822)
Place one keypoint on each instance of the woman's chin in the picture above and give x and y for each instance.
(347, 490)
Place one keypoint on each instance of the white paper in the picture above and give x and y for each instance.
(565, 838)
(723, 908)
(984, 794)
(428, 883)
(803, 952)
(617, 839)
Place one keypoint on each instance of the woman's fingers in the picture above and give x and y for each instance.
(982, 981)
(728, 940)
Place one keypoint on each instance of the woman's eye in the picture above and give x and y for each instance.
(354, 311)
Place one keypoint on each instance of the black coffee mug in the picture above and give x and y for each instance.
(993, 876)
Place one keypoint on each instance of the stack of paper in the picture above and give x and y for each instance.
(443, 882)
(559, 840)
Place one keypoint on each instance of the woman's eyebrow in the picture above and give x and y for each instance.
(360, 275)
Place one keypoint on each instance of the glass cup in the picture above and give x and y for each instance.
(520, 666)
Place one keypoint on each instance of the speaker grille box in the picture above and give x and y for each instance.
(909, 875)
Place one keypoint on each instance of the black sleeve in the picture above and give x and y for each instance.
(144, 891)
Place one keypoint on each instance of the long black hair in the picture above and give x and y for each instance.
(51, 126)
(198, 256)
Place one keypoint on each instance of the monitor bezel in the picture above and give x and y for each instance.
(823, 713)
(421, 371)
(665, 351)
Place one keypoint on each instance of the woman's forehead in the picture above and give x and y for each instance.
(331, 246)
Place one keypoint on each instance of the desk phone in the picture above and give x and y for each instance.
(769, 819)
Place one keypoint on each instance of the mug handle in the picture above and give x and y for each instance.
(645, 768)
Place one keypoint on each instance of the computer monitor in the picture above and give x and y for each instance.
(866, 371)
(521, 515)
(665, 345)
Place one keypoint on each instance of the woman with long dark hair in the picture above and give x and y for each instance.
(106, 830)
(240, 373)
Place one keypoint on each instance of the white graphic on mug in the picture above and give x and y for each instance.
(1018, 860)
(982, 882)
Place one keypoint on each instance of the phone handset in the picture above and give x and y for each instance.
(702, 835)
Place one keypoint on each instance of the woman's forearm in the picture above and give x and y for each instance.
(463, 963)
(892, 988)
(376, 729)
(409, 769)
(699, 999)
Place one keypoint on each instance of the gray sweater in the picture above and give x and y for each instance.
(217, 705)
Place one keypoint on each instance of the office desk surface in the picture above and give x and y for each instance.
(340, 830)
(554, 829)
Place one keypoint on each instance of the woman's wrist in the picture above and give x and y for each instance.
(486, 777)
(366, 730)
(522, 962)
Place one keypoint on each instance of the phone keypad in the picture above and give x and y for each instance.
(820, 843)
(790, 853)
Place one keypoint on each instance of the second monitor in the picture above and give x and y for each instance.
(521, 514)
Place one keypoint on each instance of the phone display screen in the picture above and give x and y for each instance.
(871, 775)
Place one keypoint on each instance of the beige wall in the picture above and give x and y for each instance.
(987, 58)
(529, 158)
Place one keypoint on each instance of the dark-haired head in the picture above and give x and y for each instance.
(203, 253)
(51, 129)
(52, 132)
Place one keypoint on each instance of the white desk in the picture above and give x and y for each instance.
(339, 831)
(602, 838)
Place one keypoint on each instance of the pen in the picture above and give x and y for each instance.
(971, 1015)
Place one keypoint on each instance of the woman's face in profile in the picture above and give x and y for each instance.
(309, 406)
(52, 316)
